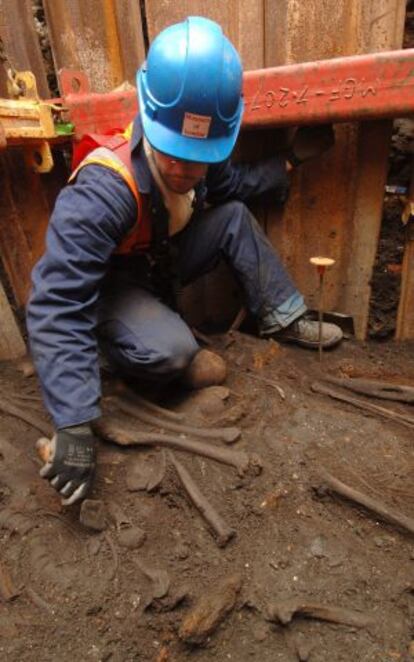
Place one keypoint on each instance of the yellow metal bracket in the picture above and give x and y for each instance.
(27, 121)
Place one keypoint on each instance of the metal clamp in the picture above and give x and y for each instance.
(26, 120)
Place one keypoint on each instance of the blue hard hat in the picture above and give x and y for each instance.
(189, 92)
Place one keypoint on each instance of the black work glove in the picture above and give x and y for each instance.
(71, 465)
(309, 142)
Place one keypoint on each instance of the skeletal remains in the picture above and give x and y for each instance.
(119, 430)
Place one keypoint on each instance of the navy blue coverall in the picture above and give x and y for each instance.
(83, 295)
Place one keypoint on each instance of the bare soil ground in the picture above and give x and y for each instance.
(79, 594)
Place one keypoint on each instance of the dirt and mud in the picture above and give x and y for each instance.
(153, 582)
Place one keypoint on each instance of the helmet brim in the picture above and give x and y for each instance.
(199, 150)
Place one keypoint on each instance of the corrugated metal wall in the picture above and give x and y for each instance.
(335, 205)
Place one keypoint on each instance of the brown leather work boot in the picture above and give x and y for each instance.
(206, 369)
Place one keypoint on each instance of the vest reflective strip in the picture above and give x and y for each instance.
(105, 157)
(128, 131)
(108, 160)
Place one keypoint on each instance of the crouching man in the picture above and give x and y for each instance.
(157, 205)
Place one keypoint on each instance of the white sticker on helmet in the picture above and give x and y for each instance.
(196, 126)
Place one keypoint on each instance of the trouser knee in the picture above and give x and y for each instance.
(176, 360)
(163, 355)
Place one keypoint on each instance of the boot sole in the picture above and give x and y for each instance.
(308, 344)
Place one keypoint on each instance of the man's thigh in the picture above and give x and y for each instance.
(141, 335)
(228, 231)
(200, 245)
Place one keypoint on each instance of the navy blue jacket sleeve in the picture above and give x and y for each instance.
(89, 220)
(228, 181)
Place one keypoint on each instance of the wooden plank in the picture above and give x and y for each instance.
(26, 201)
(11, 342)
(369, 181)
(382, 25)
(320, 29)
(14, 246)
(405, 319)
(405, 316)
(241, 20)
(129, 24)
(335, 204)
(21, 41)
(3, 81)
(25, 198)
(103, 38)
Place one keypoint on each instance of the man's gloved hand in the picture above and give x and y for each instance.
(309, 142)
(71, 461)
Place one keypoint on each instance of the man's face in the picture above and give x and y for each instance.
(179, 176)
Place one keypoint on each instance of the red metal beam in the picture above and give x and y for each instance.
(95, 113)
(342, 89)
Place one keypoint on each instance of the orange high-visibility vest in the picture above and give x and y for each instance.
(113, 152)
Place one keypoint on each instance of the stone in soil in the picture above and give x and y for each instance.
(132, 538)
(146, 473)
(210, 610)
(93, 514)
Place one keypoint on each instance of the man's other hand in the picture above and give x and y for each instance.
(309, 142)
